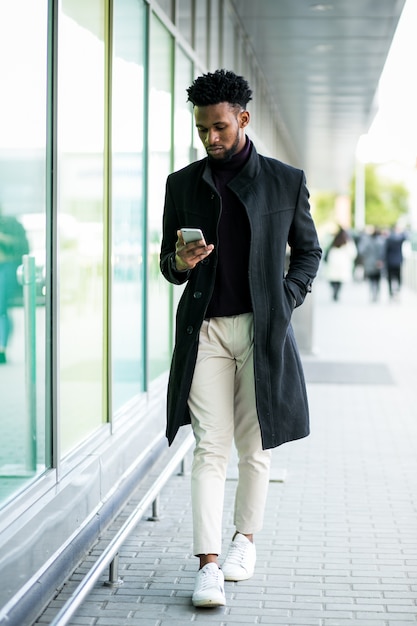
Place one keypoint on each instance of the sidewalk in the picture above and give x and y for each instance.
(339, 546)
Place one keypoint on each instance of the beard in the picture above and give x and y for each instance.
(228, 154)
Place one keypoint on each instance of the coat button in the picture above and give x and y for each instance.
(189, 330)
(205, 261)
(197, 295)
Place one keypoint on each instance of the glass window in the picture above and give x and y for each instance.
(214, 42)
(23, 75)
(128, 219)
(81, 219)
(184, 151)
(160, 128)
(184, 19)
(183, 115)
(238, 51)
(168, 7)
(201, 21)
(228, 60)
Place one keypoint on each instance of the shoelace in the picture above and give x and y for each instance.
(236, 553)
(209, 578)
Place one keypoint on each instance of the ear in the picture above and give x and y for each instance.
(244, 118)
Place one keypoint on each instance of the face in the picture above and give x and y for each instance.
(221, 129)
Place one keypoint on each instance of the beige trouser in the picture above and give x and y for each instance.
(222, 406)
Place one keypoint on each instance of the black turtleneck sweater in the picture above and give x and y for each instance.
(231, 295)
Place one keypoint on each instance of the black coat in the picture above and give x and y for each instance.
(276, 201)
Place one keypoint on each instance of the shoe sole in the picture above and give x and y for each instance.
(204, 604)
(237, 579)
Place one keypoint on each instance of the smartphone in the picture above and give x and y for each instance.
(191, 234)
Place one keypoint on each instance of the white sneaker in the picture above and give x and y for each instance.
(240, 560)
(209, 587)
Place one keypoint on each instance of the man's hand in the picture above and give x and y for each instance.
(187, 255)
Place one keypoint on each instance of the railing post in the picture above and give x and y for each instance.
(155, 510)
(114, 579)
(182, 468)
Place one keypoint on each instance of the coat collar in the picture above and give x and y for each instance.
(243, 178)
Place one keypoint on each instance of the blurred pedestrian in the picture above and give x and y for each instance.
(339, 258)
(13, 245)
(372, 249)
(394, 260)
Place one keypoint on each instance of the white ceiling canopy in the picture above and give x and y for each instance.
(322, 62)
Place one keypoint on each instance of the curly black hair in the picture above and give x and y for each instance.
(220, 86)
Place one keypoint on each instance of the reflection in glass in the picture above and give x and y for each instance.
(183, 116)
(127, 201)
(168, 7)
(160, 111)
(228, 59)
(184, 17)
(200, 26)
(214, 30)
(22, 243)
(81, 220)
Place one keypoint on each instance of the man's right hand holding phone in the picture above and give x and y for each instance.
(187, 255)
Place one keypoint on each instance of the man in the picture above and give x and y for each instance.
(235, 372)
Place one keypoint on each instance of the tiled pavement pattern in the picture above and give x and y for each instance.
(339, 546)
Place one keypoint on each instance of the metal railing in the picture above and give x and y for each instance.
(110, 555)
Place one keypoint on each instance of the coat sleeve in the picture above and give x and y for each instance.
(170, 225)
(305, 250)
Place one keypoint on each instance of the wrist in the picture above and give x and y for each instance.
(178, 264)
